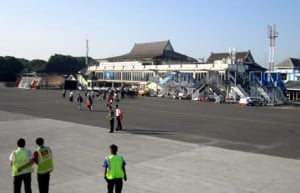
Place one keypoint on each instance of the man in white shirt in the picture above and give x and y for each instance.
(119, 116)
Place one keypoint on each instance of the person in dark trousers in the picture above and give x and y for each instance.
(64, 93)
(44, 160)
(89, 103)
(79, 100)
(21, 161)
(119, 116)
(111, 118)
(71, 96)
(114, 170)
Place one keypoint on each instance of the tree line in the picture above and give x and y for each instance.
(11, 67)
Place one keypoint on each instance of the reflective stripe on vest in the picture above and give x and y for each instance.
(115, 167)
(45, 162)
(20, 158)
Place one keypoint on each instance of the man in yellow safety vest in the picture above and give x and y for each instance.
(44, 160)
(114, 170)
(21, 161)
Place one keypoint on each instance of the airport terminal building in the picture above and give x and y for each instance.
(155, 59)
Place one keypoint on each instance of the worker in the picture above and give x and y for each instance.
(111, 118)
(21, 161)
(114, 170)
(44, 160)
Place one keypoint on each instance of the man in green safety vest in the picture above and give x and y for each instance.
(21, 161)
(44, 160)
(114, 170)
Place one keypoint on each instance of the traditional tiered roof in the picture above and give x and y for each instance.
(290, 63)
(161, 50)
(245, 58)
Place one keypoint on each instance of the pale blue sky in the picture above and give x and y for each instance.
(35, 29)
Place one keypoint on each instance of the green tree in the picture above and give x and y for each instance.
(64, 64)
(36, 65)
(10, 67)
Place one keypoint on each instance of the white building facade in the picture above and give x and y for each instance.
(158, 58)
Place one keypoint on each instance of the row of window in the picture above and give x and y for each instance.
(140, 76)
(135, 76)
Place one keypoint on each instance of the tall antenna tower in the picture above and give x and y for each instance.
(87, 53)
(273, 34)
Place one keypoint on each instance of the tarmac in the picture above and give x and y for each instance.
(154, 165)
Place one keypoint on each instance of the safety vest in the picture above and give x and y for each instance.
(110, 115)
(45, 161)
(115, 167)
(20, 157)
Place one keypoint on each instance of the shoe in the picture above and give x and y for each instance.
(110, 131)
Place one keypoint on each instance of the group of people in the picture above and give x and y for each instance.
(88, 102)
(118, 113)
(79, 99)
(22, 161)
(109, 97)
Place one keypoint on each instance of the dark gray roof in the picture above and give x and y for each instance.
(289, 63)
(293, 85)
(240, 57)
(152, 50)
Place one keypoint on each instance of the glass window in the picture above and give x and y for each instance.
(137, 76)
(117, 76)
(147, 75)
(126, 75)
(99, 75)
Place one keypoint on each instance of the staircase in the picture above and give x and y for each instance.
(196, 93)
(239, 91)
(82, 81)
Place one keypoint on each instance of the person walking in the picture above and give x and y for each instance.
(108, 100)
(44, 161)
(21, 161)
(119, 117)
(71, 96)
(89, 103)
(64, 93)
(79, 100)
(111, 118)
(114, 170)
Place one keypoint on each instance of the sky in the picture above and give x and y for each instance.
(34, 29)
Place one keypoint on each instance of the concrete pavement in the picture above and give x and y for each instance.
(154, 165)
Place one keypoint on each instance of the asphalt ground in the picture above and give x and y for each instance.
(169, 145)
(265, 130)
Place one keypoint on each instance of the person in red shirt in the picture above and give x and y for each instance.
(89, 103)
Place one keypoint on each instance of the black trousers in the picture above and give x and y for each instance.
(119, 124)
(115, 183)
(112, 122)
(43, 181)
(18, 183)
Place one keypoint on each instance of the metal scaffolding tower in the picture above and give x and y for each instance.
(273, 34)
